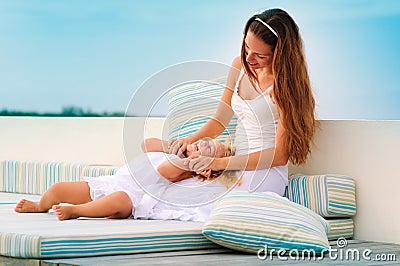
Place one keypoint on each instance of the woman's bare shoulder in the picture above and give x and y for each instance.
(234, 73)
(237, 63)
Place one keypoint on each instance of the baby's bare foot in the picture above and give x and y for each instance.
(64, 212)
(25, 205)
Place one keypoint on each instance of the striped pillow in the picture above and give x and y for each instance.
(251, 222)
(99, 170)
(191, 105)
(342, 227)
(34, 177)
(327, 195)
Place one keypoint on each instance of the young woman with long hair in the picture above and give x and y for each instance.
(268, 89)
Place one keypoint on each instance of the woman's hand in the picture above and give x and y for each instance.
(205, 173)
(199, 163)
(178, 146)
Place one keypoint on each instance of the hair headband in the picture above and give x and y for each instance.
(268, 26)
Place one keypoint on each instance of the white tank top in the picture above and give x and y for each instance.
(257, 121)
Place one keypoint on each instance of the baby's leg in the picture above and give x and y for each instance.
(117, 205)
(68, 192)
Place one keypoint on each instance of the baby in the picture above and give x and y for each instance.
(119, 195)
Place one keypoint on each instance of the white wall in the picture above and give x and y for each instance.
(365, 150)
(369, 152)
(86, 140)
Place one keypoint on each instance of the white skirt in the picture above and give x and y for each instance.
(274, 179)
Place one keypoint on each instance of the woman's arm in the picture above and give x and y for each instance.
(216, 125)
(174, 170)
(275, 156)
(154, 145)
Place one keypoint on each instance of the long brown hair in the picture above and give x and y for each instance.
(291, 86)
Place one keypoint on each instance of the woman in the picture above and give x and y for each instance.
(268, 89)
(142, 188)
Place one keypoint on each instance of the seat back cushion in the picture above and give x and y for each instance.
(328, 195)
(191, 105)
(340, 228)
(35, 177)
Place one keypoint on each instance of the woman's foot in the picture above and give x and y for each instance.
(64, 212)
(25, 205)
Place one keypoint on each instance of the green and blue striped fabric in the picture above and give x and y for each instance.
(98, 170)
(33, 177)
(123, 243)
(41, 235)
(191, 105)
(247, 222)
(327, 195)
(19, 245)
(342, 227)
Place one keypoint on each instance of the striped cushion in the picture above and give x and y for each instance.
(34, 177)
(98, 170)
(14, 243)
(343, 227)
(45, 237)
(327, 195)
(248, 221)
(191, 105)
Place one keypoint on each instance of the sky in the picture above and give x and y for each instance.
(97, 54)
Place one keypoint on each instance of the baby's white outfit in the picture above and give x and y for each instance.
(154, 197)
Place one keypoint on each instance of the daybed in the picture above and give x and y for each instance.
(43, 236)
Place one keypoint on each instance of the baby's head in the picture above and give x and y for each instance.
(213, 148)
(209, 147)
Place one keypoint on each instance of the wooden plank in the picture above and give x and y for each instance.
(220, 256)
(161, 255)
(8, 261)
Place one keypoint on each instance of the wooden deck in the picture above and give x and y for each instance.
(380, 254)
